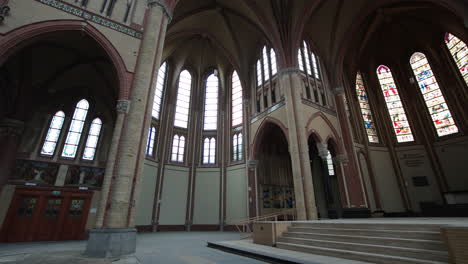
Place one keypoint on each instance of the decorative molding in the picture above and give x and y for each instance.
(319, 107)
(4, 10)
(165, 8)
(289, 70)
(252, 164)
(92, 17)
(343, 158)
(123, 106)
(267, 112)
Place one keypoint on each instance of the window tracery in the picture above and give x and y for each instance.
(183, 100)
(210, 120)
(236, 99)
(178, 149)
(459, 52)
(209, 150)
(237, 149)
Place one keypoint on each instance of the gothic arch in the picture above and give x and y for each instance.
(261, 130)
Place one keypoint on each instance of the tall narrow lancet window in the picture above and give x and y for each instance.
(76, 129)
(331, 169)
(259, 73)
(315, 66)
(183, 100)
(273, 62)
(395, 108)
(92, 140)
(209, 151)
(435, 101)
(158, 93)
(266, 64)
(178, 148)
(459, 52)
(53, 134)
(151, 139)
(237, 147)
(308, 61)
(237, 114)
(366, 112)
(210, 121)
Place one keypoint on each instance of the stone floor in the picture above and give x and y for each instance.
(164, 248)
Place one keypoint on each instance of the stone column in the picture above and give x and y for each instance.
(292, 85)
(118, 235)
(10, 136)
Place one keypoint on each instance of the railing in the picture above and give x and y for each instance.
(245, 225)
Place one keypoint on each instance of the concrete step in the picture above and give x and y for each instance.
(355, 255)
(426, 235)
(386, 241)
(369, 248)
(410, 227)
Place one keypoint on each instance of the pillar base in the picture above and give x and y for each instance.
(111, 242)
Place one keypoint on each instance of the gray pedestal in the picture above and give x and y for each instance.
(111, 243)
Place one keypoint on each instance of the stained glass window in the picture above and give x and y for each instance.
(151, 139)
(395, 108)
(366, 110)
(178, 148)
(183, 100)
(92, 141)
(237, 147)
(459, 51)
(53, 134)
(236, 100)
(158, 93)
(331, 169)
(435, 101)
(209, 151)
(210, 121)
(76, 128)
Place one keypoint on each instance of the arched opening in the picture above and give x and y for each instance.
(274, 175)
(325, 180)
(65, 74)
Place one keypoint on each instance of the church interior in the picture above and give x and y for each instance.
(313, 126)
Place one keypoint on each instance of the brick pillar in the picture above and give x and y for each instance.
(292, 85)
(10, 135)
(118, 235)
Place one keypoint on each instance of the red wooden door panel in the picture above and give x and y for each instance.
(49, 218)
(21, 218)
(74, 223)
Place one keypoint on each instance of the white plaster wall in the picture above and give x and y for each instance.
(174, 196)
(145, 202)
(453, 157)
(236, 194)
(386, 181)
(206, 204)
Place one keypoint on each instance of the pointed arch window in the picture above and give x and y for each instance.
(366, 112)
(237, 104)
(53, 134)
(210, 120)
(209, 151)
(259, 73)
(435, 101)
(308, 61)
(183, 100)
(273, 63)
(92, 140)
(459, 52)
(76, 129)
(237, 147)
(158, 93)
(178, 148)
(395, 107)
(267, 66)
(151, 140)
(331, 169)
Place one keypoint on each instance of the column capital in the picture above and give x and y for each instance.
(289, 70)
(252, 164)
(342, 158)
(123, 106)
(322, 150)
(11, 127)
(163, 5)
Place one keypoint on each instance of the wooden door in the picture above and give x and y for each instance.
(21, 218)
(75, 216)
(51, 210)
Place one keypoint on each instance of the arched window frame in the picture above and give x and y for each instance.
(75, 130)
(401, 125)
(92, 141)
(366, 110)
(182, 113)
(160, 83)
(54, 132)
(330, 166)
(209, 150)
(237, 104)
(309, 64)
(178, 148)
(151, 142)
(237, 147)
(428, 86)
(266, 69)
(458, 51)
(212, 85)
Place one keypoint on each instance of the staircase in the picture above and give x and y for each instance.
(374, 243)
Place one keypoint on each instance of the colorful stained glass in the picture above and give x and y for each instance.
(92, 141)
(237, 97)
(183, 100)
(151, 139)
(76, 128)
(53, 134)
(435, 101)
(158, 93)
(395, 108)
(459, 51)
(366, 112)
(210, 120)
